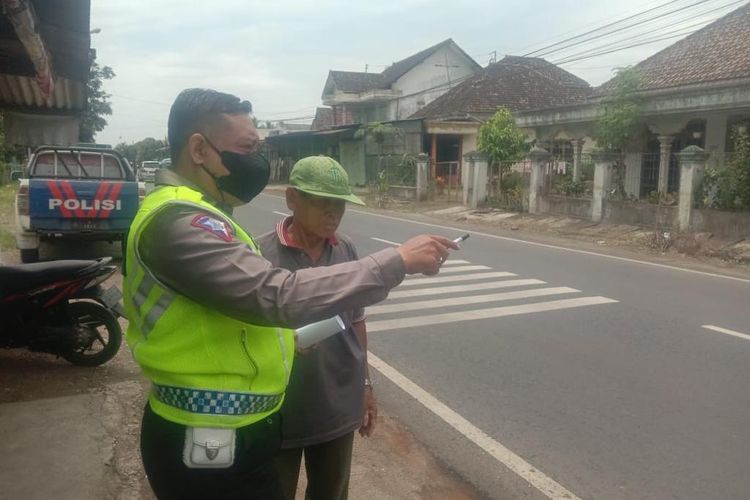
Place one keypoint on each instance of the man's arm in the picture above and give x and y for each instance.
(370, 406)
(224, 273)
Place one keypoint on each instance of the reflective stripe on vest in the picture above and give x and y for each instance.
(216, 402)
(150, 300)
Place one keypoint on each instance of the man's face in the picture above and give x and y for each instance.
(234, 133)
(316, 214)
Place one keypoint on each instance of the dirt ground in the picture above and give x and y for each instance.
(390, 465)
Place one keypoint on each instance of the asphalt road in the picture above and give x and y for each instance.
(570, 374)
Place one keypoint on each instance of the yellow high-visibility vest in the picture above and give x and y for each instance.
(207, 369)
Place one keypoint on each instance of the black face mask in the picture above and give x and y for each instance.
(248, 174)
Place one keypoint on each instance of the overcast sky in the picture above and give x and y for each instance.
(277, 53)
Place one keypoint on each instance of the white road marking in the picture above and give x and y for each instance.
(458, 269)
(545, 245)
(387, 242)
(708, 327)
(281, 213)
(554, 247)
(467, 299)
(530, 473)
(493, 312)
(446, 279)
(421, 292)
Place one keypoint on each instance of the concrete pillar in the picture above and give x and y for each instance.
(423, 176)
(475, 178)
(577, 150)
(692, 164)
(538, 158)
(603, 162)
(433, 156)
(467, 178)
(665, 150)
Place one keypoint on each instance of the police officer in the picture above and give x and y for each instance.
(210, 319)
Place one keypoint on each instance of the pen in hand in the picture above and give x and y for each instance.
(461, 239)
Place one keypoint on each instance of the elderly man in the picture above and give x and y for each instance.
(209, 318)
(329, 394)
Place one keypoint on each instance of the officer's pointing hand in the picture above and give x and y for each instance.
(425, 254)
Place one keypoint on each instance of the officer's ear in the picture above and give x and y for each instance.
(197, 148)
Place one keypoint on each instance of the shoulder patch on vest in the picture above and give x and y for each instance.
(217, 227)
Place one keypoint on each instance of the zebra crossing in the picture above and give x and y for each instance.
(424, 301)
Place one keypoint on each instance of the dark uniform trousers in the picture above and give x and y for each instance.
(252, 476)
(328, 466)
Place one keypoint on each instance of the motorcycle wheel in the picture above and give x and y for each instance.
(97, 334)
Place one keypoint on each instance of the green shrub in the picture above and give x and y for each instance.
(728, 188)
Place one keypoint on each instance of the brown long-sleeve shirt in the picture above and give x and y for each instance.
(217, 270)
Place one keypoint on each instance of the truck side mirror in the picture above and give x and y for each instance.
(16, 175)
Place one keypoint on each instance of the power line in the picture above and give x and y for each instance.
(635, 37)
(279, 113)
(543, 52)
(140, 100)
(589, 56)
(638, 14)
(159, 103)
(294, 119)
(594, 23)
(651, 32)
(616, 46)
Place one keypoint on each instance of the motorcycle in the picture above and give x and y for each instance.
(60, 307)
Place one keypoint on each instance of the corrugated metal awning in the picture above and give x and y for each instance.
(24, 92)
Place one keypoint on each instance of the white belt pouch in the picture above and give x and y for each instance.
(209, 448)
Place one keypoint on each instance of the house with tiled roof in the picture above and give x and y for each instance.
(401, 89)
(694, 92)
(393, 95)
(452, 121)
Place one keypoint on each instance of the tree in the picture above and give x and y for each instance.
(502, 140)
(97, 103)
(621, 110)
(146, 149)
(729, 188)
(378, 132)
(619, 121)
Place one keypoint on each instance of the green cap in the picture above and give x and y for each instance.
(322, 176)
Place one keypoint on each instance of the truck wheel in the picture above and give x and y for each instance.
(29, 255)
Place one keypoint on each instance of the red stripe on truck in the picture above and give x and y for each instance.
(52, 185)
(116, 188)
(72, 196)
(99, 196)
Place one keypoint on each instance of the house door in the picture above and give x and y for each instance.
(446, 154)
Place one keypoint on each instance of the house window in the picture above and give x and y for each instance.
(562, 151)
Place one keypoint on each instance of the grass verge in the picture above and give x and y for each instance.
(7, 217)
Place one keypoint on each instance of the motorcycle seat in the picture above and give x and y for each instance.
(28, 276)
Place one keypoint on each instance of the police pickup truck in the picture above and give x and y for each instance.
(85, 193)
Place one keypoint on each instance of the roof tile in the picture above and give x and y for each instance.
(518, 83)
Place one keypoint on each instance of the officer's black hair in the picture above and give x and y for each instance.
(194, 110)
